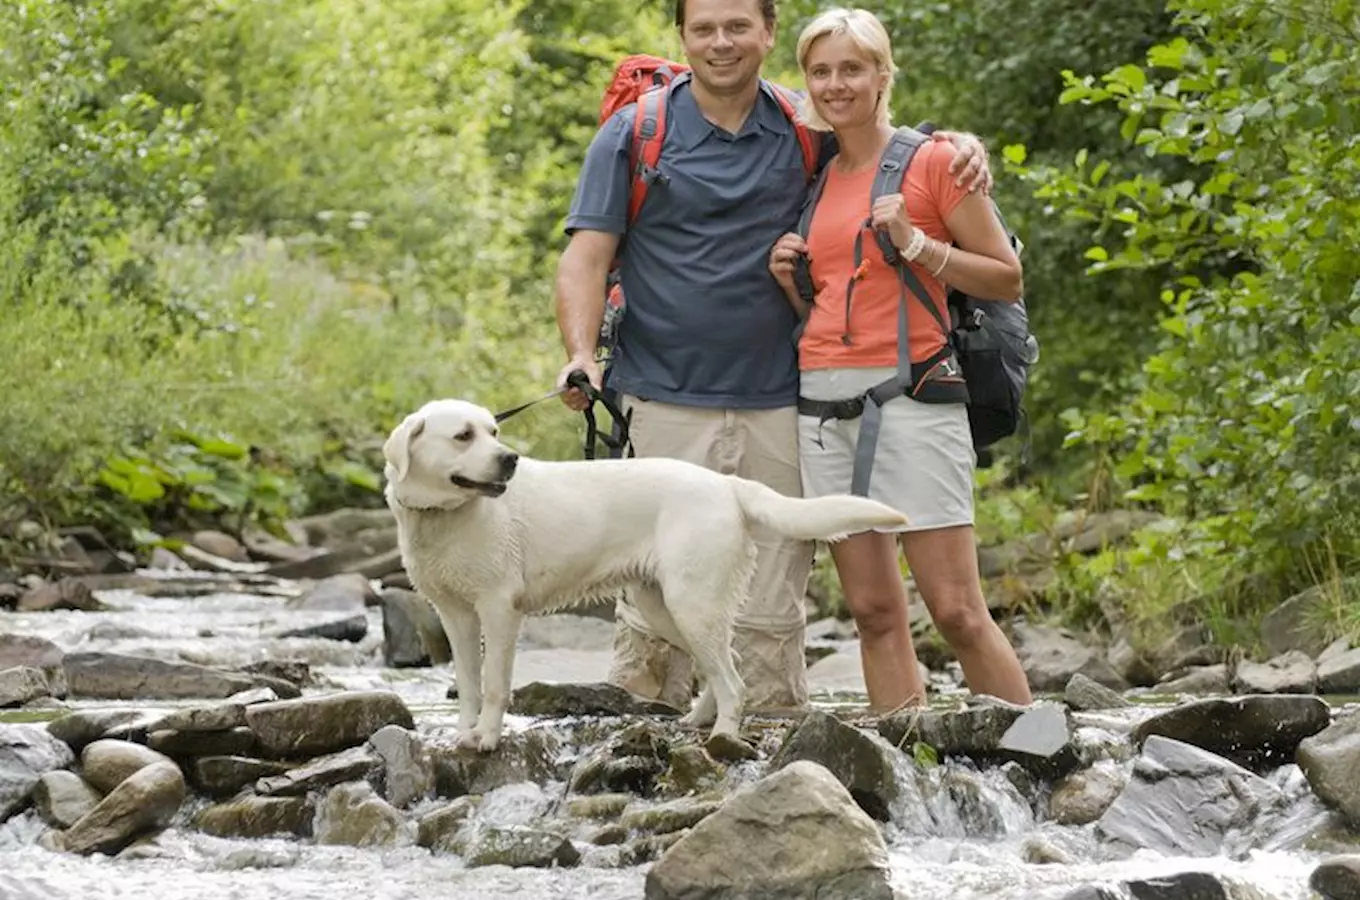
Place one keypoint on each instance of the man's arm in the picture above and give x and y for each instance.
(596, 222)
(969, 166)
(581, 274)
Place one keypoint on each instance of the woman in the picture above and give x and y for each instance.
(924, 460)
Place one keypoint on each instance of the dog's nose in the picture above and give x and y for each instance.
(508, 463)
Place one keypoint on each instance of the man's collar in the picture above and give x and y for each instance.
(691, 128)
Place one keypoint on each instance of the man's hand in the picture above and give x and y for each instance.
(575, 398)
(969, 165)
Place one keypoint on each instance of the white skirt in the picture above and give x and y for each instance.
(924, 461)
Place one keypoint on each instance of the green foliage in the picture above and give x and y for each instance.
(283, 223)
(1244, 426)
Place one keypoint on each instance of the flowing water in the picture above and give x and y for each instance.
(958, 833)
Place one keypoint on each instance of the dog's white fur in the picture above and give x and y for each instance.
(489, 537)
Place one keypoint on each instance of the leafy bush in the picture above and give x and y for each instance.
(1244, 426)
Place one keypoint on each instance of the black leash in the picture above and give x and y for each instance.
(617, 441)
(505, 414)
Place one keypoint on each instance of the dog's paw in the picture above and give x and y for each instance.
(468, 737)
(696, 718)
(487, 740)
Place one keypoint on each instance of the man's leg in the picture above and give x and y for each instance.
(771, 629)
(643, 663)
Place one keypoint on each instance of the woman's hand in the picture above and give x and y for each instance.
(889, 213)
(784, 258)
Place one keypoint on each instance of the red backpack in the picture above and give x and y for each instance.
(646, 81)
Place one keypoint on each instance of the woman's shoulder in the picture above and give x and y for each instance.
(929, 179)
(932, 156)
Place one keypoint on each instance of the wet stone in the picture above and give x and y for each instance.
(22, 684)
(631, 760)
(438, 830)
(1330, 760)
(257, 817)
(1290, 673)
(412, 632)
(1192, 886)
(864, 763)
(352, 815)
(107, 763)
(27, 752)
(81, 727)
(1337, 878)
(1082, 693)
(212, 717)
(409, 774)
(62, 798)
(665, 818)
(224, 776)
(540, 699)
(310, 726)
(182, 744)
(113, 676)
(351, 629)
(598, 806)
(524, 756)
(1259, 731)
(1182, 800)
(520, 847)
(691, 771)
(348, 765)
(1082, 797)
(143, 802)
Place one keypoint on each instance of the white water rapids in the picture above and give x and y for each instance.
(933, 857)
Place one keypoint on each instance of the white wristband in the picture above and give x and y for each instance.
(914, 246)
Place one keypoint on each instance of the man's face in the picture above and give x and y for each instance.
(725, 43)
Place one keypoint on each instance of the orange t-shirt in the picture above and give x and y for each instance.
(842, 210)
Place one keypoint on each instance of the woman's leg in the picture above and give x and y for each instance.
(872, 582)
(944, 563)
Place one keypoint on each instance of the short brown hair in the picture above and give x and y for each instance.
(767, 12)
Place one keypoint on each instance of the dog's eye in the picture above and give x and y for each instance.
(464, 435)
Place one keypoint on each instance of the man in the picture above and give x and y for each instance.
(706, 362)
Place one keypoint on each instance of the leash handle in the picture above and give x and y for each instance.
(578, 379)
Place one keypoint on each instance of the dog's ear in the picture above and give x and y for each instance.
(397, 449)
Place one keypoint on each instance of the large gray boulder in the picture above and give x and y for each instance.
(793, 835)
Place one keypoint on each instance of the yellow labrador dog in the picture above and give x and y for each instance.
(490, 537)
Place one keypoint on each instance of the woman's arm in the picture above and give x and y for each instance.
(981, 261)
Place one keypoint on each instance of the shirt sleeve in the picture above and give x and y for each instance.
(944, 193)
(601, 199)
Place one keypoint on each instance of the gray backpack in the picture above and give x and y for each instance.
(988, 350)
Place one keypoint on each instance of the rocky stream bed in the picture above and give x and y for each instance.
(273, 720)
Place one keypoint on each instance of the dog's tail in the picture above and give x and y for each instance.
(828, 518)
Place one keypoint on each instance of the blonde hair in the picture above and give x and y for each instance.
(868, 35)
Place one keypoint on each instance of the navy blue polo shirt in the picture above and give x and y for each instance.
(705, 323)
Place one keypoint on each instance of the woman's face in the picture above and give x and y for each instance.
(843, 81)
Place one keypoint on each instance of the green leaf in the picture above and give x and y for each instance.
(1097, 253)
(925, 755)
(1014, 153)
(1129, 75)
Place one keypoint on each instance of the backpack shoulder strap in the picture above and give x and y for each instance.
(649, 134)
(892, 171)
(802, 276)
(809, 141)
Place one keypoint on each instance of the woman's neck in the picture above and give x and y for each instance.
(861, 145)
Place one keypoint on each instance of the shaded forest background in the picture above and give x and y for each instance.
(239, 240)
